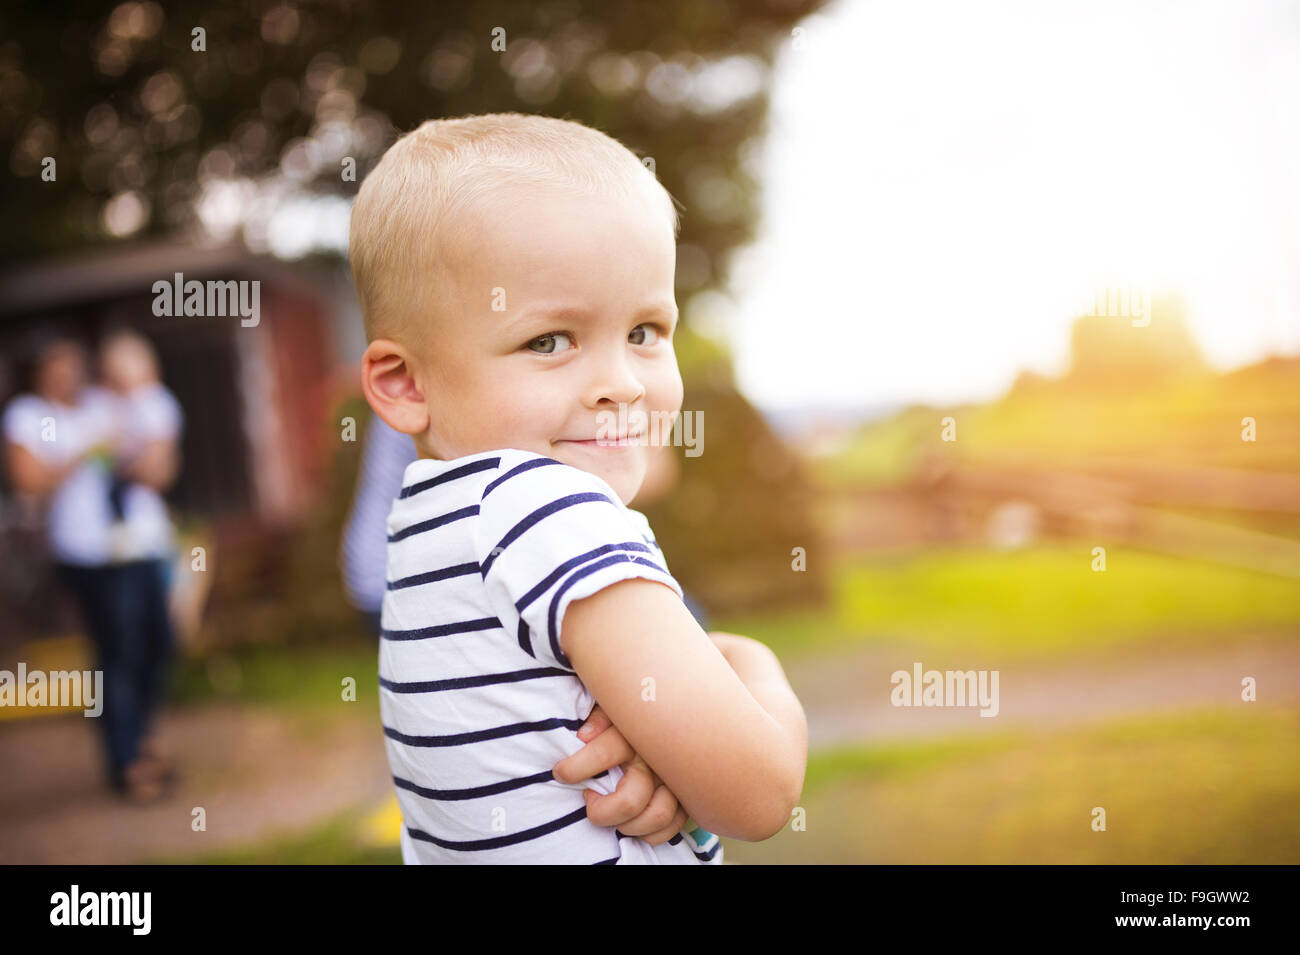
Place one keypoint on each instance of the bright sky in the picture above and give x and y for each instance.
(947, 183)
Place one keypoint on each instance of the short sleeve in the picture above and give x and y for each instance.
(159, 416)
(549, 534)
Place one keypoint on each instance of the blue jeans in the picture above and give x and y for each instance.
(125, 611)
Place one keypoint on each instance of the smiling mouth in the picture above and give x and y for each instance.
(626, 441)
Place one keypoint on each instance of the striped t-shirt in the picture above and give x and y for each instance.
(485, 553)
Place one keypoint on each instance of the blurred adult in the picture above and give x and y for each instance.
(364, 553)
(97, 461)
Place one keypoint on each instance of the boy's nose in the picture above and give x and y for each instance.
(615, 381)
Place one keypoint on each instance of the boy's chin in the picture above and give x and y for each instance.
(625, 476)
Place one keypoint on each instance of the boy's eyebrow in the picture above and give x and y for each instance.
(663, 310)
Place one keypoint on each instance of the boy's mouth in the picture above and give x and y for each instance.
(626, 441)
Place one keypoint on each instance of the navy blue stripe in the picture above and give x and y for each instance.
(527, 835)
(540, 514)
(430, 524)
(496, 732)
(485, 464)
(706, 856)
(445, 573)
(613, 861)
(443, 630)
(576, 576)
(702, 856)
(476, 792)
(568, 565)
(526, 640)
(518, 469)
(462, 682)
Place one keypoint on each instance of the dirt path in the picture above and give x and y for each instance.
(259, 771)
(255, 771)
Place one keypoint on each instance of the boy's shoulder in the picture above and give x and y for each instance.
(527, 489)
(558, 478)
(532, 475)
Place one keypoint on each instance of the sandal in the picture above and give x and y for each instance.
(163, 769)
(141, 783)
(153, 755)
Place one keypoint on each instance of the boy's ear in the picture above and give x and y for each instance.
(390, 388)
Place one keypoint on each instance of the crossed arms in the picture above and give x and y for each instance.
(711, 717)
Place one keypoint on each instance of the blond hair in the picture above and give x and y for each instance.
(402, 236)
(127, 358)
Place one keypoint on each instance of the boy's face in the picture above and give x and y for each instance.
(125, 365)
(583, 327)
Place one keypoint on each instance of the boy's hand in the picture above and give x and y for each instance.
(641, 805)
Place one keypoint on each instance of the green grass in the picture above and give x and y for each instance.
(829, 767)
(1200, 787)
(293, 675)
(333, 843)
(1037, 602)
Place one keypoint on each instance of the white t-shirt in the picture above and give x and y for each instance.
(478, 701)
(80, 518)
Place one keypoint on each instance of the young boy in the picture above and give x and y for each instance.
(149, 421)
(516, 276)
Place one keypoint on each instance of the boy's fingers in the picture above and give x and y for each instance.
(668, 831)
(657, 815)
(604, 752)
(634, 793)
(596, 723)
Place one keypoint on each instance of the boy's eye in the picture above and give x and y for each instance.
(654, 332)
(547, 343)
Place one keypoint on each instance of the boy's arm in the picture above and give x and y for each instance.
(760, 670)
(155, 466)
(736, 768)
